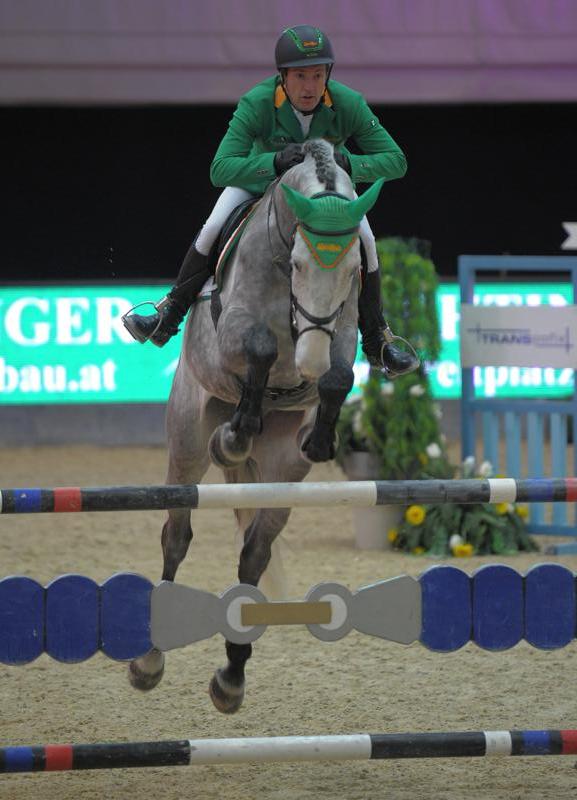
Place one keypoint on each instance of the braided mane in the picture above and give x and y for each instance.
(322, 152)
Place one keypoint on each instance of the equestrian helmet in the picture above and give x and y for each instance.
(302, 46)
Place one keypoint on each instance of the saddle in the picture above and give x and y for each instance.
(227, 241)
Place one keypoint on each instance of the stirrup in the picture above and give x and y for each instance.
(157, 307)
(390, 338)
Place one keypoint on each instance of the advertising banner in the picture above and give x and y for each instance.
(523, 336)
(67, 344)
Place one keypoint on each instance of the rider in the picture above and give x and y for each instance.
(263, 140)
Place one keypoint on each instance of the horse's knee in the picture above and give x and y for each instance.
(336, 383)
(260, 347)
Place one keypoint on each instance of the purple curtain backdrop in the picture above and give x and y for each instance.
(211, 51)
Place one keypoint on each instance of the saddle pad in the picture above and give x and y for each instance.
(231, 236)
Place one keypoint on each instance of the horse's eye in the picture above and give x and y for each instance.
(297, 266)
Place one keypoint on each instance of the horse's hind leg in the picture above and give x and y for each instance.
(279, 458)
(231, 443)
(227, 684)
(188, 462)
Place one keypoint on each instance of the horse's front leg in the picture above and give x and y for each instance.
(333, 388)
(231, 443)
(227, 685)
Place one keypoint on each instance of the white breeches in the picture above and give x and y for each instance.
(370, 245)
(232, 196)
(229, 199)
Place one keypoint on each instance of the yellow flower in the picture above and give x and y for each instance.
(463, 550)
(392, 535)
(415, 515)
(502, 508)
(423, 459)
(522, 511)
(418, 551)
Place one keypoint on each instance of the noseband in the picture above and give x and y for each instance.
(317, 323)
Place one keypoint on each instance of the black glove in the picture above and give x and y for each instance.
(343, 161)
(289, 157)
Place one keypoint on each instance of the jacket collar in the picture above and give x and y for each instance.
(321, 118)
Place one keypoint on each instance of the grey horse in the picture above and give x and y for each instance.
(265, 368)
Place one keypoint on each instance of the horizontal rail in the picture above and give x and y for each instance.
(353, 747)
(286, 495)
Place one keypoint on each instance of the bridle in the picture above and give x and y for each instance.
(284, 264)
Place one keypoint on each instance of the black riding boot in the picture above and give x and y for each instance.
(377, 337)
(171, 310)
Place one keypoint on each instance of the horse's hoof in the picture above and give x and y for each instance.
(315, 452)
(226, 449)
(142, 680)
(226, 698)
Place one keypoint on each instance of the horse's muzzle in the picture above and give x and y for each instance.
(312, 354)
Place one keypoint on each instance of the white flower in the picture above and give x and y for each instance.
(442, 438)
(455, 540)
(387, 388)
(357, 422)
(437, 411)
(433, 450)
(486, 469)
(468, 467)
(417, 390)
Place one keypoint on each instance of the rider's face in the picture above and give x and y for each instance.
(305, 86)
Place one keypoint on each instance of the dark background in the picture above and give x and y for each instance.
(118, 193)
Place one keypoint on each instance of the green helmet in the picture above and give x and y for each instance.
(303, 46)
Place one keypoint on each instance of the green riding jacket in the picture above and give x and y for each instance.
(264, 123)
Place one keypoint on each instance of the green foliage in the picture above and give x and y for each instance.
(400, 422)
(409, 287)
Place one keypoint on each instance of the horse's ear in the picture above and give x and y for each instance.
(297, 202)
(359, 207)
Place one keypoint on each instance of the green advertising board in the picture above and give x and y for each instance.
(67, 344)
(497, 381)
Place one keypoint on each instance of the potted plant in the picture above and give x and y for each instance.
(460, 529)
(392, 429)
(395, 428)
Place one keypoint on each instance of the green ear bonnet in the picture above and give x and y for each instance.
(329, 223)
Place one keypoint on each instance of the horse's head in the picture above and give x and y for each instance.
(325, 256)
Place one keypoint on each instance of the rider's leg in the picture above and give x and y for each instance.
(193, 274)
(377, 337)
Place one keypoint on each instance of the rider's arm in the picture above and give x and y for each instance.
(233, 165)
(382, 157)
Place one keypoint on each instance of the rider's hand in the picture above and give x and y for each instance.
(289, 157)
(343, 161)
